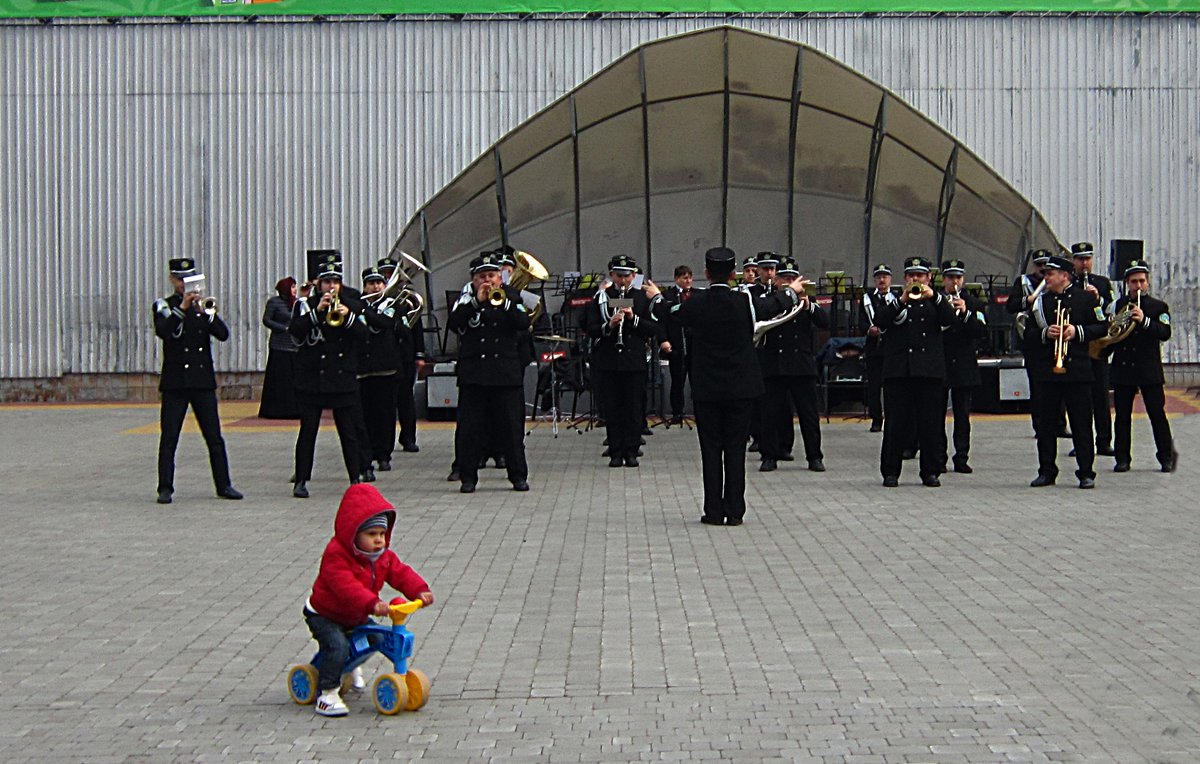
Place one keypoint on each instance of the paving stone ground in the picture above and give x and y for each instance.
(594, 619)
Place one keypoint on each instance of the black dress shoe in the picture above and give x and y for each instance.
(521, 485)
(734, 521)
(164, 497)
(500, 462)
(1041, 481)
(768, 465)
(753, 447)
(1087, 483)
(368, 475)
(930, 481)
(639, 454)
(963, 468)
(411, 448)
(1063, 434)
(1121, 467)
(816, 465)
(876, 428)
(646, 430)
(631, 461)
(890, 481)
(385, 465)
(467, 488)
(712, 520)
(606, 452)
(616, 461)
(300, 490)
(787, 458)
(229, 492)
(1105, 451)
(453, 477)
(1170, 464)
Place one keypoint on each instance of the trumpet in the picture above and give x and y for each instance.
(496, 297)
(208, 306)
(1062, 318)
(916, 291)
(333, 318)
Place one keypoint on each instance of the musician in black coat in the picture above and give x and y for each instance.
(188, 379)
(327, 369)
(1021, 295)
(765, 264)
(491, 374)
(725, 380)
(410, 349)
(1101, 290)
(378, 362)
(789, 373)
(961, 344)
(620, 333)
(1066, 385)
(914, 373)
(873, 346)
(676, 346)
(1137, 367)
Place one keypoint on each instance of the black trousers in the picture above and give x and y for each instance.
(778, 434)
(1049, 399)
(722, 428)
(378, 396)
(914, 405)
(875, 389)
(680, 366)
(1101, 416)
(346, 417)
(406, 407)
(1155, 401)
(170, 419)
(498, 411)
(622, 398)
(960, 399)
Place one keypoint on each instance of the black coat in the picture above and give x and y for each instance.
(276, 317)
(1138, 359)
(961, 344)
(622, 349)
(914, 346)
(489, 340)
(380, 350)
(327, 358)
(1103, 287)
(787, 350)
(678, 335)
(1024, 286)
(873, 346)
(187, 352)
(1084, 314)
(724, 363)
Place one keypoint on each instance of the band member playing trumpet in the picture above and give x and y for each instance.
(789, 373)
(1137, 367)
(914, 371)
(187, 378)
(326, 328)
(1063, 319)
(621, 323)
(1101, 290)
(961, 342)
(491, 322)
(873, 346)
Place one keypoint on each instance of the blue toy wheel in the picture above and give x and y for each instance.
(390, 694)
(302, 684)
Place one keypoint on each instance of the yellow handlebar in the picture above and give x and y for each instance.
(400, 613)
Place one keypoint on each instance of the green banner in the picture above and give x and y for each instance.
(116, 8)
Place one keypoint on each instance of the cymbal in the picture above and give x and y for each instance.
(553, 338)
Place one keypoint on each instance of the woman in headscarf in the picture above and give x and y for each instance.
(279, 395)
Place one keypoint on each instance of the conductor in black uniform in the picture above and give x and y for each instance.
(1066, 380)
(725, 380)
(1101, 290)
(328, 336)
(914, 372)
(1137, 367)
(185, 328)
(873, 346)
(961, 340)
(491, 323)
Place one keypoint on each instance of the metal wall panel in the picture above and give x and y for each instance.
(243, 144)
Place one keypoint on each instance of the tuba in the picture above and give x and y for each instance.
(527, 271)
(762, 327)
(399, 289)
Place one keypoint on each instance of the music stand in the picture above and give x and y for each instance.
(556, 342)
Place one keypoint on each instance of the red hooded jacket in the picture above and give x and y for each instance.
(348, 584)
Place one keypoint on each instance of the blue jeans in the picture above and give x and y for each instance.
(333, 642)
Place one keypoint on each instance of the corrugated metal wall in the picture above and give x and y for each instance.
(243, 144)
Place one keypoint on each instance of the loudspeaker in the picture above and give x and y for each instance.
(1121, 252)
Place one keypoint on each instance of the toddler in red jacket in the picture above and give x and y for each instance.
(354, 567)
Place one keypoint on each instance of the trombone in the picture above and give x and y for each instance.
(1062, 318)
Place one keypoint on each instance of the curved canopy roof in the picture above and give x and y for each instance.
(726, 136)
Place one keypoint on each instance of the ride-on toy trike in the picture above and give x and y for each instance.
(405, 689)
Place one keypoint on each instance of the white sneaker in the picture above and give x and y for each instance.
(358, 682)
(330, 704)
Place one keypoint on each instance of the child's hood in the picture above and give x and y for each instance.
(360, 503)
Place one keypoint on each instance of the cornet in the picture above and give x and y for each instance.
(1062, 317)
(333, 318)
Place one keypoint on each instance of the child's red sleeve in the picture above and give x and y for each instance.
(404, 579)
(341, 578)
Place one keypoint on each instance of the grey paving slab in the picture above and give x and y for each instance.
(593, 618)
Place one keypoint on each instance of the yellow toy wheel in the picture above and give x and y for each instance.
(390, 693)
(418, 689)
(302, 684)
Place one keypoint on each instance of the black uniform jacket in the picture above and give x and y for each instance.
(787, 350)
(489, 339)
(411, 341)
(873, 346)
(1024, 286)
(380, 350)
(622, 348)
(914, 345)
(678, 335)
(724, 363)
(961, 344)
(187, 353)
(1084, 314)
(1103, 287)
(1138, 359)
(327, 357)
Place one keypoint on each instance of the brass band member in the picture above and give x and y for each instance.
(749, 272)
(1063, 319)
(961, 340)
(789, 373)
(914, 371)
(378, 361)
(676, 346)
(410, 342)
(621, 323)
(188, 379)
(1021, 295)
(1137, 367)
(766, 262)
(873, 346)
(326, 328)
(491, 322)
(1101, 290)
